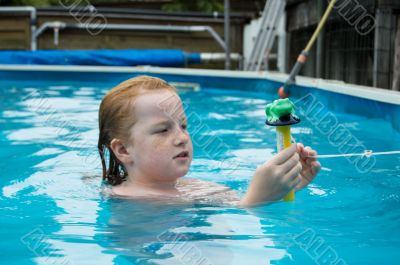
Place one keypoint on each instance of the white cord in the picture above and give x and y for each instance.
(367, 153)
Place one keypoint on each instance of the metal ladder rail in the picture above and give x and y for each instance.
(266, 34)
(266, 39)
(270, 39)
(260, 35)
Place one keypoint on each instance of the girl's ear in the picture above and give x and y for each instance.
(121, 152)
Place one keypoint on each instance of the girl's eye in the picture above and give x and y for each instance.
(162, 130)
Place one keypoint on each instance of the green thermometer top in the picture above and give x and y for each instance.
(280, 113)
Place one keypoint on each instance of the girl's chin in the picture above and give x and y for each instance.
(178, 176)
(171, 178)
(175, 175)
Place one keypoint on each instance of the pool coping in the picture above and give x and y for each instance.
(371, 93)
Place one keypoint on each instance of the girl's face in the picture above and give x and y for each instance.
(160, 146)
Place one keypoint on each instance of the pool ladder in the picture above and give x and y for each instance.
(273, 11)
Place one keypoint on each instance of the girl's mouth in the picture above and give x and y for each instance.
(182, 155)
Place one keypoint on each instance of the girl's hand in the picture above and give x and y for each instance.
(275, 178)
(309, 163)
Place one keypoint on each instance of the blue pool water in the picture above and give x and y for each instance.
(52, 211)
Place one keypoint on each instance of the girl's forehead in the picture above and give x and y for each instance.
(162, 103)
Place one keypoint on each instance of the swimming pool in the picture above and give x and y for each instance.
(52, 212)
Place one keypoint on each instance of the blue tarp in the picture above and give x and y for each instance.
(174, 58)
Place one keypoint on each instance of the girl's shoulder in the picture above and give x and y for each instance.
(189, 190)
(198, 184)
(207, 191)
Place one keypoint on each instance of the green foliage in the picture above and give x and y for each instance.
(197, 5)
(37, 3)
(175, 6)
(44, 3)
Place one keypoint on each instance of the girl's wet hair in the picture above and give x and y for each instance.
(117, 116)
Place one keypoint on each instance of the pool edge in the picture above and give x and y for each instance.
(371, 93)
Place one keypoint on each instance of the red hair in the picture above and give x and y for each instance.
(115, 120)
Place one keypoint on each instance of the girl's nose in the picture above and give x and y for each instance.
(182, 137)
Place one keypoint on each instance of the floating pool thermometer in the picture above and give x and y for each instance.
(280, 114)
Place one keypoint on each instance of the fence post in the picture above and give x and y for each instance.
(383, 41)
(396, 66)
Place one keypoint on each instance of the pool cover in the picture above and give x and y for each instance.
(174, 58)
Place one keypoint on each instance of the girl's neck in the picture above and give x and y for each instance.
(167, 186)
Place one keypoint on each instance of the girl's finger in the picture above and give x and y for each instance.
(293, 173)
(296, 181)
(289, 164)
(309, 160)
(307, 174)
(300, 148)
(284, 155)
(310, 153)
(315, 167)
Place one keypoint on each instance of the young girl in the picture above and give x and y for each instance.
(143, 127)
